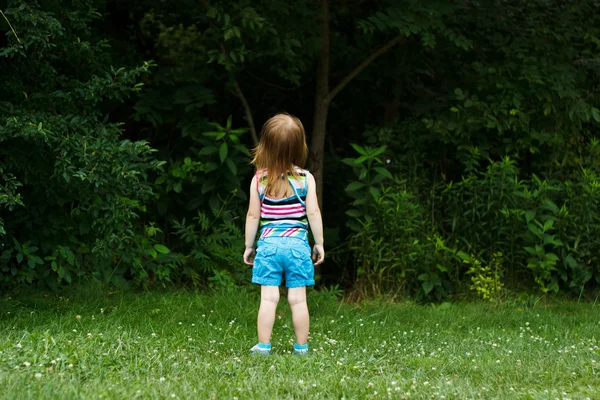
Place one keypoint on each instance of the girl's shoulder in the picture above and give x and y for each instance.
(263, 173)
(302, 171)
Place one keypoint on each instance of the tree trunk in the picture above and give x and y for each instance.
(324, 96)
(317, 145)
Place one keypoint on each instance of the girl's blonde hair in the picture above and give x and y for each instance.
(282, 146)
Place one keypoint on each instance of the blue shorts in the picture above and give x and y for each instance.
(279, 256)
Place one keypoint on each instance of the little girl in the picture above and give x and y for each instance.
(283, 201)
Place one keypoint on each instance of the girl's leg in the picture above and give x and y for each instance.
(269, 297)
(300, 318)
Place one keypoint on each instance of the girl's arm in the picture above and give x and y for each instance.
(252, 222)
(314, 219)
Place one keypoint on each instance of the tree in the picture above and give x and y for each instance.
(69, 184)
(401, 21)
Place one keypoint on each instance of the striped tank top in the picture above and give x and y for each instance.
(284, 217)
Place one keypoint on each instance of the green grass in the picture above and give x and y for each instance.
(190, 345)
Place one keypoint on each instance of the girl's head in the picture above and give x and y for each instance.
(282, 146)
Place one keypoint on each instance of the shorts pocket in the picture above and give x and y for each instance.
(266, 251)
(301, 254)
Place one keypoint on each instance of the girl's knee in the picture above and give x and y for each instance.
(296, 297)
(270, 294)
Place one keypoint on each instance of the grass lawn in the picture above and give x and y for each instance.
(92, 345)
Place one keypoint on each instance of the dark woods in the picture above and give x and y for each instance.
(455, 142)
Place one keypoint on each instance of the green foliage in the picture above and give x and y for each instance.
(536, 224)
(486, 280)
(212, 170)
(71, 187)
(393, 244)
(212, 248)
(488, 86)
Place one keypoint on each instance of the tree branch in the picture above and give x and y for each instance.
(352, 74)
(247, 110)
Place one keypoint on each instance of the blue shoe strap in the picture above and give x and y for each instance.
(300, 346)
(264, 346)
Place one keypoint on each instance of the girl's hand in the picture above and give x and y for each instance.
(249, 254)
(318, 254)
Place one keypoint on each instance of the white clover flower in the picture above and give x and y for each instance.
(300, 382)
(38, 375)
(70, 365)
(27, 364)
(162, 379)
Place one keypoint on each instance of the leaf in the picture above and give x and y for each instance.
(242, 149)
(548, 225)
(354, 186)
(596, 114)
(378, 151)
(550, 205)
(534, 229)
(375, 193)
(570, 261)
(459, 93)
(223, 152)
(384, 172)
(207, 186)
(359, 149)
(231, 166)
(529, 215)
(354, 213)
(363, 173)
(161, 248)
(427, 286)
(423, 277)
(551, 257)
(31, 263)
(153, 253)
(61, 272)
(20, 258)
(214, 203)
